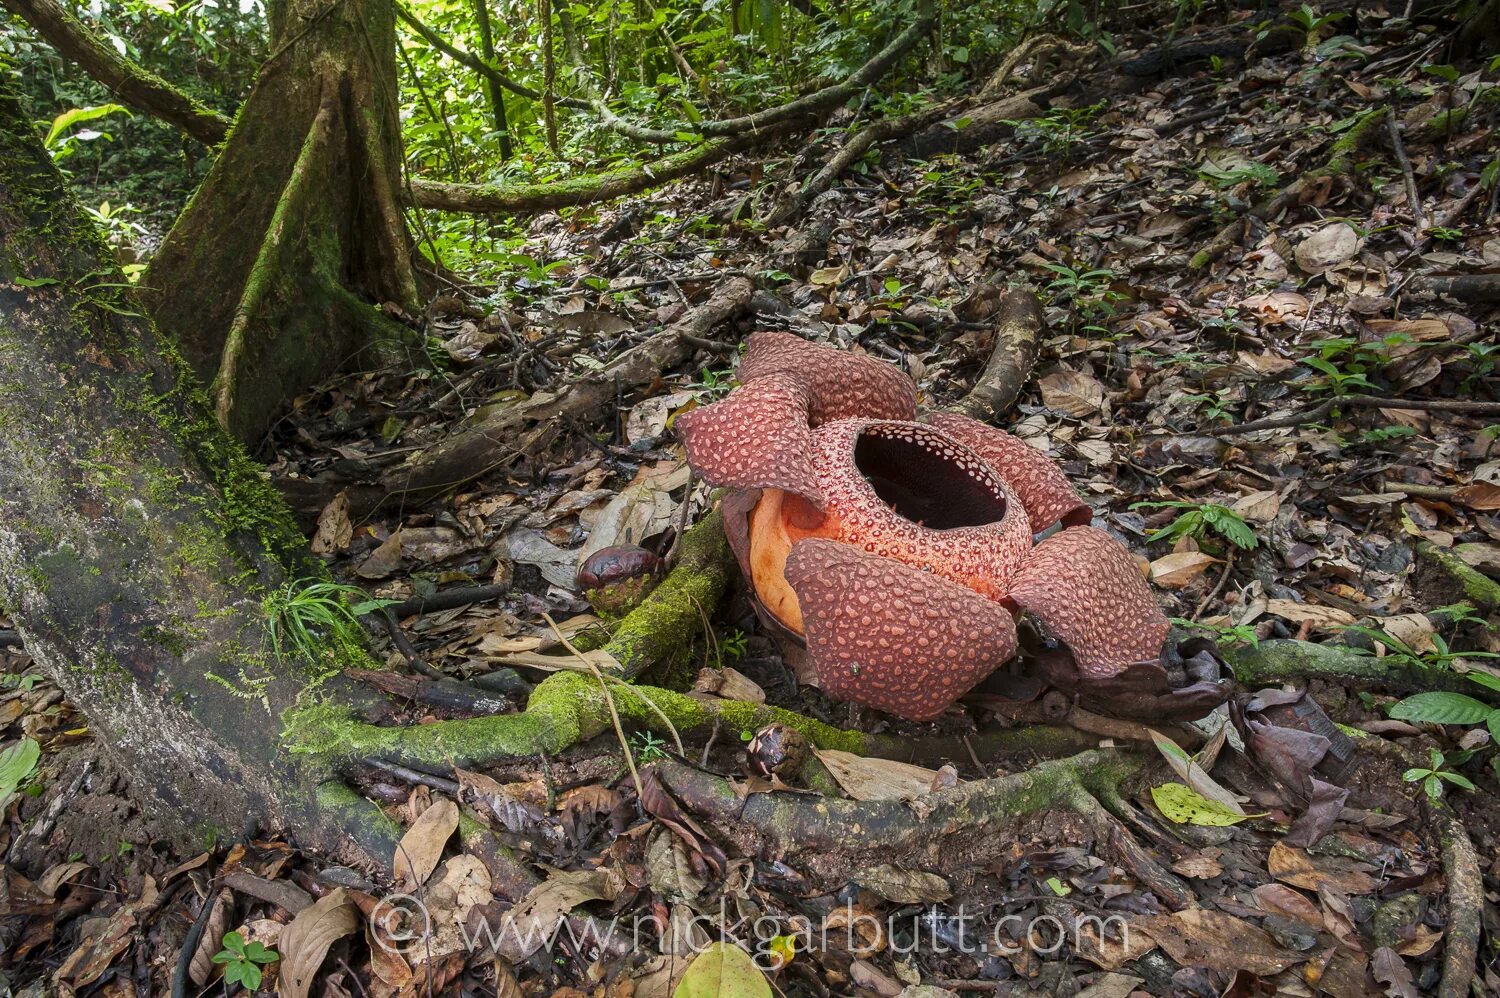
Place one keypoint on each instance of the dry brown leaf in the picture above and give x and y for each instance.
(1315, 614)
(1198, 867)
(1279, 899)
(902, 886)
(1480, 495)
(334, 529)
(1175, 570)
(1328, 246)
(383, 560)
(1258, 507)
(532, 920)
(1294, 866)
(421, 847)
(59, 874)
(1275, 309)
(1072, 393)
(1198, 937)
(730, 684)
(875, 779)
(306, 940)
(1110, 953)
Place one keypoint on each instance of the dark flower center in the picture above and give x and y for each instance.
(927, 479)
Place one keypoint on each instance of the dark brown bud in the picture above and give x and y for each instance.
(616, 578)
(776, 750)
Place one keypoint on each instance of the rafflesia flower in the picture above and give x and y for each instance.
(902, 552)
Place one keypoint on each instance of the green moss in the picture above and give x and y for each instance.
(1444, 572)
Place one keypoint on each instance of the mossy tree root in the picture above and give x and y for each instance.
(1284, 660)
(1465, 889)
(958, 827)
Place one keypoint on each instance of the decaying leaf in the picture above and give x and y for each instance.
(1072, 393)
(723, 971)
(1198, 937)
(1292, 865)
(422, 845)
(307, 938)
(876, 779)
(904, 886)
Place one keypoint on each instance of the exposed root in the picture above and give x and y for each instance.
(1108, 830)
(1465, 889)
(948, 829)
(1279, 660)
(1018, 330)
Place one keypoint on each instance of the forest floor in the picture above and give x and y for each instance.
(1151, 363)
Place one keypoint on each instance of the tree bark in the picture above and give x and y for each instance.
(138, 541)
(273, 277)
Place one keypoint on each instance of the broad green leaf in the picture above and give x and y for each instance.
(1184, 805)
(1441, 707)
(76, 116)
(1486, 680)
(37, 282)
(1459, 780)
(16, 763)
(723, 971)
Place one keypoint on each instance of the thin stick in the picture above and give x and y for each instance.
(1418, 222)
(609, 700)
(1458, 406)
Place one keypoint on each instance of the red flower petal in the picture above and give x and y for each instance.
(1036, 481)
(757, 438)
(839, 384)
(1085, 588)
(893, 637)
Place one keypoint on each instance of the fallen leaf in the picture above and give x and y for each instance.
(1072, 393)
(1313, 614)
(1279, 899)
(723, 971)
(1185, 806)
(1480, 495)
(1328, 246)
(1175, 570)
(383, 560)
(1258, 507)
(334, 529)
(1294, 866)
(1198, 937)
(1389, 969)
(1198, 867)
(421, 847)
(903, 886)
(875, 779)
(306, 940)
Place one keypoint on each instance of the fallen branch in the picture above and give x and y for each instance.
(1018, 328)
(136, 86)
(1283, 660)
(1318, 412)
(493, 443)
(853, 149)
(497, 199)
(1471, 289)
(1465, 889)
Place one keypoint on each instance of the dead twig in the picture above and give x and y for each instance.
(1418, 223)
(1018, 331)
(1318, 412)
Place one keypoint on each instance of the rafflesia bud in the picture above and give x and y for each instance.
(615, 579)
(776, 750)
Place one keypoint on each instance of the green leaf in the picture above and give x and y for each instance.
(17, 762)
(1413, 775)
(1458, 780)
(1486, 680)
(1441, 707)
(76, 116)
(1186, 806)
(723, 971)
(37, 282)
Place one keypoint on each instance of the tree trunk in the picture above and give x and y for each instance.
(138, 542)
(274, 275)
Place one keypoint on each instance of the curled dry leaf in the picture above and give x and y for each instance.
(1294, 866)
(1198, 937)
(1328, 246)
(334, 529)
(307, 938)
(1175, 570)
(421, 847)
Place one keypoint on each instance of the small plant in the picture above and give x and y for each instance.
(1346, 363)
(243, 961)
(713, 384)
(1445, 234)
(1307, 20)
(1088, 290)
(62, 143)
(1060, 131)
(1239, 634)
(1434, 776)
(1200, 520)
(1382, 434)
(646, 747)
(313, 618)
(1255, 174)
(1481, 362)
(1214, 406)
(1440, 657)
